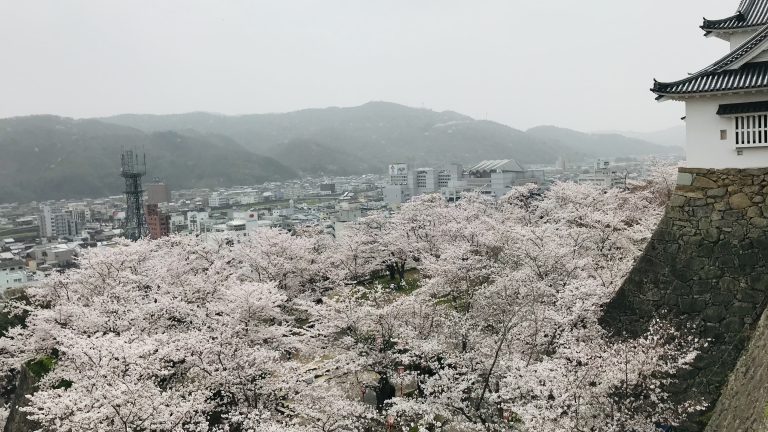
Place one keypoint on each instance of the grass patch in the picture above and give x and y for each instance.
(410, 283)
(38, 368)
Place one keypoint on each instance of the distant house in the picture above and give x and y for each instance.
(12, 274)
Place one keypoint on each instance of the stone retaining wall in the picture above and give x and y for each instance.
(706, 270)
(744, 403)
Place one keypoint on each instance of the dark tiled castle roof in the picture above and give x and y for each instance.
(717, 77)
(751, 13)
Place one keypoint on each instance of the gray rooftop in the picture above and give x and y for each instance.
(497, 165)
(751, 13)
(730, 73)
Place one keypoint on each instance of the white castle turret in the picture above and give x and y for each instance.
(726, 103)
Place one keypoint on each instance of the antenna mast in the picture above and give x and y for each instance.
(132, 170)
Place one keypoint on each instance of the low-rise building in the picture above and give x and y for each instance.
(12, 274)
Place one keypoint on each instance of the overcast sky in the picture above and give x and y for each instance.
(585, 65)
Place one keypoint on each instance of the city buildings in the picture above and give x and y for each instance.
(491, 177)
(604, 175)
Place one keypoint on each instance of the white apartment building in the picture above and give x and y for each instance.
(12, 274)
(198, 222)
(218, 200)
(55, 223)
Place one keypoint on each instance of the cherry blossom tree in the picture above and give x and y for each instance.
(276, 331)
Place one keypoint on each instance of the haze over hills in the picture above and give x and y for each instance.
(48, 157)
(612, 144)
(377, 133)
(674, 136)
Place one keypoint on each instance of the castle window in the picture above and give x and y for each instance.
(751, 130)
(723, 134)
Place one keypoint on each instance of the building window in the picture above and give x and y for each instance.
(723, 134)
(752, 130)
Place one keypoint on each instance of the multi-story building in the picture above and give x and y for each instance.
(454, 172)
(398, 174)
(218, 200)
(328, 188)
(198, 221)
(158, 193)
(158, 222)
(426, 181)
(55, 223)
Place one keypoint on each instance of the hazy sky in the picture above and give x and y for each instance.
(585, 64)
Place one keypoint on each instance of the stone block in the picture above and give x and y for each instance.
(702, 288)
(741, 310)
(697, 202)
(740, 201)
(713, 314)
(693, 305)
(752, 296)
(706, 250)
(729, 285)
(758, 199)
(726, 261)
(759, 222)
(719, 192)
(755, 171)
(684, 179)
(711, 273)
(747, 261)
(733, 215)
(754, 212)
(711, 234)
(759, 282)
(677, 200)
(732, 325)
(723, 299)
(703, 182)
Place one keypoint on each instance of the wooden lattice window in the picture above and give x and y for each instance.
(751, 130)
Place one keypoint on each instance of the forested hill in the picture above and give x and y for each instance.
(48, 157)
(368, 137)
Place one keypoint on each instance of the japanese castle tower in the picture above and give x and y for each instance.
(726, 103)
(705, 269)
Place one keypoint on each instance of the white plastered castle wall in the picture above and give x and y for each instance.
(704, 148)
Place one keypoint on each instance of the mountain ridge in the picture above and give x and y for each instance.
(51, 157)
(48, 157)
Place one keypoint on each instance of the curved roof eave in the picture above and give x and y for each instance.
(662, 96)
(734, 56)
